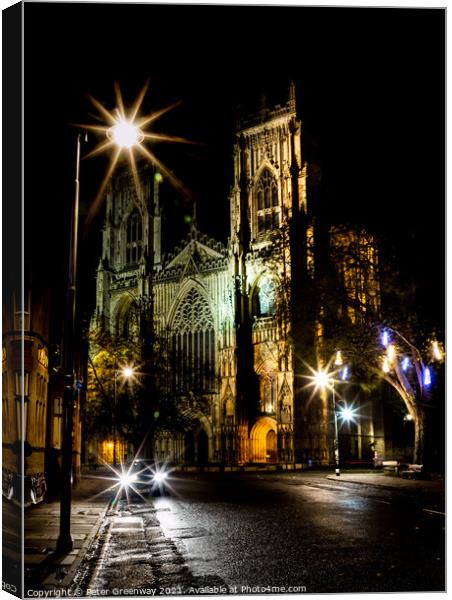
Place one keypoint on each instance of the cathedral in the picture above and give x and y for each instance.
(227, 311)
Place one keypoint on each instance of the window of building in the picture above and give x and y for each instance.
(134, 240)
(268, 393)
(268, 205)
(57, 422)
(5, 405)
(193, 345)
(266, 298)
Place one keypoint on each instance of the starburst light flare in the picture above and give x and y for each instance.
(128, 372)
(320, 379)
(126, 136)
(348, 414)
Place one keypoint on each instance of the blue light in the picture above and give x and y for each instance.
(385, 338)
(344, 374)
(427, 377)
(405, 363)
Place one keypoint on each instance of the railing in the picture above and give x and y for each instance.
(264, 329)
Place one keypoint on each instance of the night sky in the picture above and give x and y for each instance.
(371, 96)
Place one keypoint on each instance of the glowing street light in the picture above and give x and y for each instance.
(128, 134)
(125, 134)
(348, 414)
(127, 372)
(323, 381)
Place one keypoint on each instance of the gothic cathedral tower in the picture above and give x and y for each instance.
(268, 195)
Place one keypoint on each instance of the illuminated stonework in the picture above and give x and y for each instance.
(224, 310)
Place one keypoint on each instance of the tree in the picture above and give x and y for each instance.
(134, 406)
(111, 405)
(369, 315)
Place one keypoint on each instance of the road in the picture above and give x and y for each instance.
(251, 533)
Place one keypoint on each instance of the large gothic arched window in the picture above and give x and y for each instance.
(267, 385)
(193, 344)
(134, 240)
(265, 298)
(268, 205)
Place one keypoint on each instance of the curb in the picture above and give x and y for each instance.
(382, 485)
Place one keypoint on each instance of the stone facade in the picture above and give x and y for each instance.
(224, 311)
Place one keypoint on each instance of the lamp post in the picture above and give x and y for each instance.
(127, 372)
(336, 435)
(125, 135)
(338, 363)
(324, 380)
(65, 542)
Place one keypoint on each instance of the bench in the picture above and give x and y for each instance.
(390, 467)
(411, 471)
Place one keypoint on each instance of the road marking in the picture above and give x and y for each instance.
(434, 512)
(382, 501)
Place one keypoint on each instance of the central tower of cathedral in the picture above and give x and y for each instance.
(269, 187)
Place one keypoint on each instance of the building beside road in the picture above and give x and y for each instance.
(234, 321)
(32, 387)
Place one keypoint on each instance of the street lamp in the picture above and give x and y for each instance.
(65, 542)
(127, 372)
(323, 381)
(348, 414)
(338, 363)
(336, 433)
(125, 135)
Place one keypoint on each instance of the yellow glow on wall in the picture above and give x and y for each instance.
(107, 454)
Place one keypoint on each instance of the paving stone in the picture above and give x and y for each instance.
(41, 529)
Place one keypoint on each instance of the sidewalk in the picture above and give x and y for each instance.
(89, 505)
(390, 482)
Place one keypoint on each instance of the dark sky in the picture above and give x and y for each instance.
(370, 95)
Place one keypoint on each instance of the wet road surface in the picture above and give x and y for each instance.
(259, 533)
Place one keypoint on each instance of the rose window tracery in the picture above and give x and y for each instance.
(193, 313)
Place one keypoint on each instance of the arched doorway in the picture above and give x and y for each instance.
(202, 448)
(271, 446)
(264, 441)
(189, 447)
